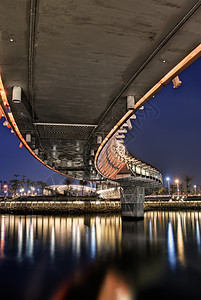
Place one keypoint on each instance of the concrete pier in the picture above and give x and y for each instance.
(132, 200)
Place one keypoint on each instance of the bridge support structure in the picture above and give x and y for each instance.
(132, 200)
(132, 197)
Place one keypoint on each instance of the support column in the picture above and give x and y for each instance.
(132, 200)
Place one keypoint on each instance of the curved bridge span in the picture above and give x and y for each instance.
(73, 74)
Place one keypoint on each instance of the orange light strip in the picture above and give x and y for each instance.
(4, 104)
(180, 67)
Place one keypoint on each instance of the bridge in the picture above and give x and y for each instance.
(74, 73)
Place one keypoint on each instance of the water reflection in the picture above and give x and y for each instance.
(2, 237)
(20, 240)
(52, 243)
(171, 246)
(104, 255)
(180, 242)
(60, 234)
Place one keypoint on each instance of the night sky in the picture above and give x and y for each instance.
(15, 160)
(166, 134)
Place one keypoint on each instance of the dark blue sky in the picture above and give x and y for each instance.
(19, 161)
(166, 134)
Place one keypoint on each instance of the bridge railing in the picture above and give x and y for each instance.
(114, 157)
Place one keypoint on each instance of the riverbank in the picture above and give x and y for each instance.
(172, 205)
(87, 208)
(55, 210)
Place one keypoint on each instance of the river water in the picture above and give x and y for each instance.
(101, 257)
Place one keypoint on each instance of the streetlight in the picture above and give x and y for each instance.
(195, 186)
(177, 182)
(168, 184)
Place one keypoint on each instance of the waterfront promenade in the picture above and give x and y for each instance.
(52, 205)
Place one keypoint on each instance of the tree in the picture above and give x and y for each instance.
(28, 184)
(172, 189)
(162, 191)
(41, 185)
(187, 180)
(182, 189)
(16, 176)
(14, 185)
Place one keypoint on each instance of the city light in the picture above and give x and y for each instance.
(195, 186)
(177, 182)
(168, 184)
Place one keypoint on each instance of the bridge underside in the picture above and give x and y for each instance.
(76, 62)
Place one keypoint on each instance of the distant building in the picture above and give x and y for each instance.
(72, 189)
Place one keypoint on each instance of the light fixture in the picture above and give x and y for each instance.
(129, 124)
(176, 82)
(133, 117)
(120, 136)
(5, 123)
(130, 102)
(99, 139)
(28, 137)
(17, 93)
(122, 130)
